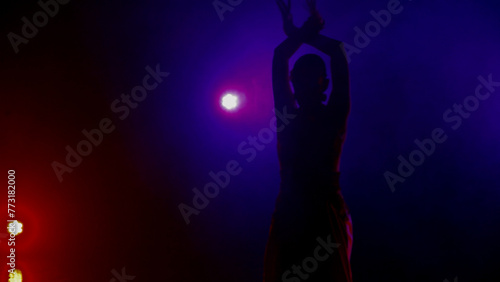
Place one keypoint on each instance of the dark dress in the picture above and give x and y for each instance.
(310, 237)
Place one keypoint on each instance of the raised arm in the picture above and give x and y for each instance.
(283, 96)
(339, 100)
(339, 103)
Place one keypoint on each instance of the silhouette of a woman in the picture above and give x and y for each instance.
(310, 237)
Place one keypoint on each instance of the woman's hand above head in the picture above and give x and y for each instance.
(313, 10)
(309, 30)
(286, 14)
(315, 23)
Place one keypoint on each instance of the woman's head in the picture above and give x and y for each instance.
(309, 80)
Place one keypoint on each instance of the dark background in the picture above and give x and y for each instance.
(119, 207)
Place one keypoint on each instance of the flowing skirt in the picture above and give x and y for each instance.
(310, 237)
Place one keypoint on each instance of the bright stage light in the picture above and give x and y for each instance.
(16, 276)
(230, 102)
(15, 227)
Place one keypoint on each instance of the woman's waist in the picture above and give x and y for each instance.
(310, 173)
(320, 180)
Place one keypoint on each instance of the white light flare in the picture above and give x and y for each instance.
(230, 102)
(15, 227)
